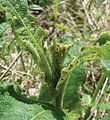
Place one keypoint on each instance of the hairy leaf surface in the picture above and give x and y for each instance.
(76, 79)
(26, 34)
(71, 81)
(14, 106)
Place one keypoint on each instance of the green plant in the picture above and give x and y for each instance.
(62, 67)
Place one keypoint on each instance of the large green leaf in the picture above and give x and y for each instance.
(71, 96)
(30, 36)
(14, 106)
(15, 7)
(73, 76)
(88, 53)
(73, 79)
(76, 76)
(26, 33)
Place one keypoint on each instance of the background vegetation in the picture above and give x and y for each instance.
(74, 35)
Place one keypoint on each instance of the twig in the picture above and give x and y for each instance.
(3, 67)
(11, 65)
(88, 112)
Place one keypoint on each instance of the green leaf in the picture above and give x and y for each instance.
(87, 53)
(86, 35)
(26, 34)
(45, 94)
(106, 118)
(106, 67)
(74, 51)
(14, 106)
(96, 52)
(40, 34)
(3, 27)
(103, 38)
(104, 106)
(68, 86)
(71, 97)
(72, 80)
(103, 51)
(75, 114)
(67, 39)
(4, 86)
(86, 99)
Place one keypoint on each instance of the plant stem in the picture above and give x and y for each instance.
(95, 95)
(56, 10)
(98, 87)
(104, 89)
(58, 100)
